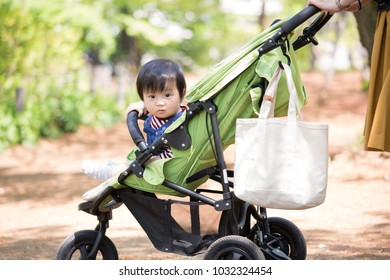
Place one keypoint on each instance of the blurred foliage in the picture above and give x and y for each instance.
(48, 49)
(51, 50)
(42, 48)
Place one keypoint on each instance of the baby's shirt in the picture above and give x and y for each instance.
(154, 127)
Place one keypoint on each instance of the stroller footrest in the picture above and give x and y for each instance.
(85, 206)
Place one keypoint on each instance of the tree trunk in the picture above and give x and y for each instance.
(366, 23)
(19, 99)
(329, 72)
(261, 17)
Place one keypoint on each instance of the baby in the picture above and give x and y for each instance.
(161, 86)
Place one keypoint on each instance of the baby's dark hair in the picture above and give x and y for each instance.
(157, 73)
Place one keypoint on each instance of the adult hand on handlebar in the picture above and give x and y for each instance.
(331, 6)
(137, 106)
(328, 6)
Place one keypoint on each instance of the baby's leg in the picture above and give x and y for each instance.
(111, 170)
(101, 172)
(118, 169)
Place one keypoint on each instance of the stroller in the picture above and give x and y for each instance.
(198, 139)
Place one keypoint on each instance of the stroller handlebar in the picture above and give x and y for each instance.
(134, 130)
(291, 24)
(299, 18)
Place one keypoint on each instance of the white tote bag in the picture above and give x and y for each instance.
(281, 163)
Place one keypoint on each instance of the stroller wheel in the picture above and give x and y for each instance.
(285, 237)
(234, 247)
(78, 245)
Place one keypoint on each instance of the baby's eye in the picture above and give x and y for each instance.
(151, 96)
(168, 94)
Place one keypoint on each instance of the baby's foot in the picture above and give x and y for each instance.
(93, 194)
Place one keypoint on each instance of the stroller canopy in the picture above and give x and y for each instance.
(248, 57)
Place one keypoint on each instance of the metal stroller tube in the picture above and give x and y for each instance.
(278, 40)
(135, 132)
(299, 18)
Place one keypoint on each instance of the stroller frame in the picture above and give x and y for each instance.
(236, 225)
(276, 238)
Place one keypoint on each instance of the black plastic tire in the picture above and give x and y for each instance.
(291, 240)
(79, 244)
(234, 247)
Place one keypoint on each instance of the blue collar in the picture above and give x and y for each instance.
(153, 134)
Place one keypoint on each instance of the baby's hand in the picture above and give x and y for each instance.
(137, 106)
(153, 158)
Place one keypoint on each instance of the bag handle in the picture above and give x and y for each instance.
(267, 109)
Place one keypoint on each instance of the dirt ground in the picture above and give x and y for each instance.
(41, 187)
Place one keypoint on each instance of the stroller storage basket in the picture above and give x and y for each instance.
(180, 227)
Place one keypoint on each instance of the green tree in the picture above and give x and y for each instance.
(42, 53)
(44, 45)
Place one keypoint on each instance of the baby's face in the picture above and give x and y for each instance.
(163, 104)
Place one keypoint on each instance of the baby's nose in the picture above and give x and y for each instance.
(160, 101)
